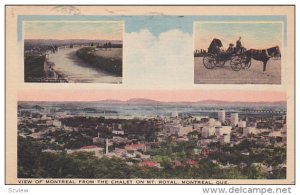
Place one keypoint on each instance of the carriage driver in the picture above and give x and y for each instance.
(238, 46)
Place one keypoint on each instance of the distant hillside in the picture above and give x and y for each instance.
(41, 42)
(37, 107)
(110, 102)
(90, 109)
(230, 103)
(143, 101)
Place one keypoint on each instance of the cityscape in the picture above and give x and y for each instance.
(143, 138)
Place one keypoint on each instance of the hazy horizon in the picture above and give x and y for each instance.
(147, 99)
(106, 30)
(75, 39)
(256, 35)
(156, 95)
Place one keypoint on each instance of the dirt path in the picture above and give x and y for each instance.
(75, 70)
(225, 75)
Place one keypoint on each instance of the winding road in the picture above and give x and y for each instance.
(75, 70)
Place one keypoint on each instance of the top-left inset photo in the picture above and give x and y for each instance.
(73, 51)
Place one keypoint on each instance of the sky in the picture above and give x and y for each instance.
(156, 24)
(74, 30)
(254, 35)
(159, 95)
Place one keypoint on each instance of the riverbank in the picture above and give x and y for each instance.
(51, 74)
(107, 60)
(39, 69)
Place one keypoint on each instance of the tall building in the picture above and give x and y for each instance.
(221, 116)
(224, 139)
(242, 124)
(234, 119)
(208, 131)
(106, 144)
(221, 130)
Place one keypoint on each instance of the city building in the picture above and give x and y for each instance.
(184, 130)
(171, 129)
(149, 164)
(242, 124)
(225, 139)
(221, 116)
(98, 152)
(213, 122)
(221, 130)
(174, 114)
(98, 140)
(56, 123)
(118, 132)
(135, 147)
(249, 130)
(208, 131)
(234, 119)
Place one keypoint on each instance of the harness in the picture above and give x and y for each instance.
(267, 53)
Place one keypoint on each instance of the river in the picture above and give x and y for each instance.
(75, 70)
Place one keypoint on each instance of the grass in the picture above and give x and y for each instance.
(115, 53)
(108, 61)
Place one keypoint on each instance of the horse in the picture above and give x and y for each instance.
(262, 55)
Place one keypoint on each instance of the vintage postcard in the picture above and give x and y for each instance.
(73, 51)
(202, 95)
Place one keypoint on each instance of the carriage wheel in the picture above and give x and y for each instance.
(244, 63)
(219, 63)
(236, 63)
(209, 61)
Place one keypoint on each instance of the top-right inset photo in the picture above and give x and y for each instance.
(247, 52)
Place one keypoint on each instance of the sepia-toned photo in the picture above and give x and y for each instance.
(76, 52)
(237, 52)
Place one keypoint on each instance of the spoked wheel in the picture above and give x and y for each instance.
(245, 64)
(209, 61)
(236, 63)
(219, 63)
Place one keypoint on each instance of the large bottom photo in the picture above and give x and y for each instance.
(158, 136)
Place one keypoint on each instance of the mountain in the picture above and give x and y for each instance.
(133, 101)
(240, 103)
(142, 101)
(90, 109)
(37, 107)
(110, 102)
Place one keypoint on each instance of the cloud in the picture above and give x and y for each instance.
(154, 62)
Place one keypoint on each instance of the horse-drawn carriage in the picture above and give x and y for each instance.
(217, 57)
